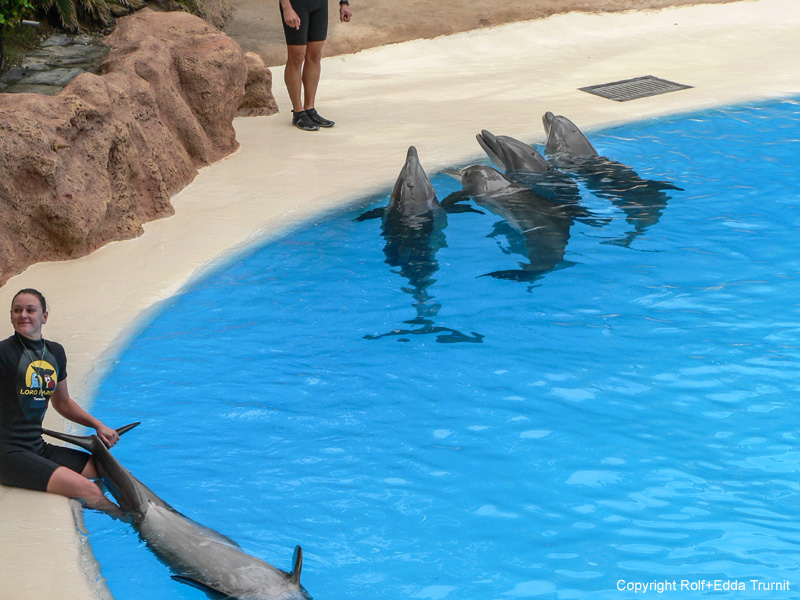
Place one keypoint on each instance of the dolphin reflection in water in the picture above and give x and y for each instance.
(413, 227)
(641, 200)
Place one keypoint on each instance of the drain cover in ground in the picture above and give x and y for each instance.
(631, 89)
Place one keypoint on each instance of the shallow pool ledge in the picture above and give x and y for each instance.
(433, 94)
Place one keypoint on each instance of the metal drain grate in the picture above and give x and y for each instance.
(631, 89)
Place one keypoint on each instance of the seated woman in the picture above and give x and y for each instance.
(33, 375)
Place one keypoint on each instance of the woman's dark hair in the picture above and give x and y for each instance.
(33, 292)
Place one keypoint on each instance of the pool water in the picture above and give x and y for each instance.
(430, 432)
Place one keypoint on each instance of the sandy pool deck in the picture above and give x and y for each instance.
(433, 94)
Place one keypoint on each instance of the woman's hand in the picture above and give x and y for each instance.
(345, 13)
(107, 435)
(290, 17)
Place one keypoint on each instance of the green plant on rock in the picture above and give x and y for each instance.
(74, 15)
(11, 11)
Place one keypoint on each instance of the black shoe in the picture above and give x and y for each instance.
(302, 121)
(319, 119)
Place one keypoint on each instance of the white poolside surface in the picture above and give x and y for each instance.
(433, 94)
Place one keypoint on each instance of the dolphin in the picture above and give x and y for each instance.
(524, 164)
(198, 556)
(641, 200)
(412, 227)
(565, 142)
(413, 199)
(535, 227)
(511, 155)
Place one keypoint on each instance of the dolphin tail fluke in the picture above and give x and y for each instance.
(297, 565)
(84, 441)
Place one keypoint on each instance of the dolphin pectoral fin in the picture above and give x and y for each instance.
(375, 213)
(215, 594)
(451, 205)
(453, 198)
(297, 565)
(84, 441)
(128, 427)
(462, 208)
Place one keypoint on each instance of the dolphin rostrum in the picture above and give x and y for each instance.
(511, 154)
(198, 556)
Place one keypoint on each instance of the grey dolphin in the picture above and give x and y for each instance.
(510, 154)
(524, 164)
(199, 556)
(536, 227)
(641, 200)
(413, 228)
(564, 140)
(413, 198)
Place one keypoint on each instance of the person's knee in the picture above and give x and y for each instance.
(66, 482)
(313, 52)
(295, 57)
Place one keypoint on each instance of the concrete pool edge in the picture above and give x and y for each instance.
(440, 93)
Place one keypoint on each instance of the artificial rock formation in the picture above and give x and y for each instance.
(92, 163)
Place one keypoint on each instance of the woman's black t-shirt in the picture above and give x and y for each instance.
(29, 373)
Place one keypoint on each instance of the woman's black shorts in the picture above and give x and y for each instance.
(26, 469)
(313, 22)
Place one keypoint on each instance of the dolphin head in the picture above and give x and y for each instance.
(564, 137)
(413, 193)
(510, 154)
(480, 180)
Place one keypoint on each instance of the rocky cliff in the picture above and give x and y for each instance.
(92, 163)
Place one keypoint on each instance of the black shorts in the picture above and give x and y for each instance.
(313, 22)
(26, 469)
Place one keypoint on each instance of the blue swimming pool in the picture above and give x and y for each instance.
(630, 417)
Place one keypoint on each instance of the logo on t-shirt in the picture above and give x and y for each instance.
(40, 379)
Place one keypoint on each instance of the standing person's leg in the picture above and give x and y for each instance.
(295, 28)
(293, 75)
(312, 70)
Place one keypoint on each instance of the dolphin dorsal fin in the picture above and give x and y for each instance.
(297, 565)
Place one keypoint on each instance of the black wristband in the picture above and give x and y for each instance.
(347, 2)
